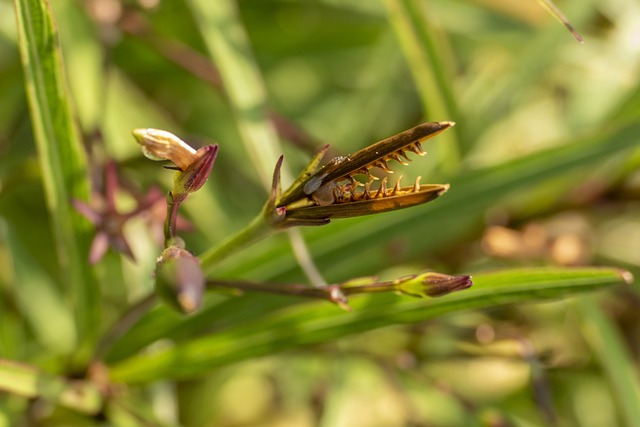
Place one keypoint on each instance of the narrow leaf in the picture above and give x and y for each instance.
(229, 47)
(316, 323)
(604, 339)
(62, 160)
(425, 58)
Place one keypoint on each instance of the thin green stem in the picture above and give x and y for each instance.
(257, 230)
(293, 289)
(173, 203)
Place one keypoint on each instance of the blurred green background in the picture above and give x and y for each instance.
(543, 165)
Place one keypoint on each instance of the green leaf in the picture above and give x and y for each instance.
(230, 50)
(315, 323)
(24, 380)
(40, 301)
(62, 159)
(424, 53)
(604, 338)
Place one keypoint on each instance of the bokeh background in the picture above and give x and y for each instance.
(543, 166)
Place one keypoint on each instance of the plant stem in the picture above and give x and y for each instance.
(172, 218)
(331, 293)
(257, 230)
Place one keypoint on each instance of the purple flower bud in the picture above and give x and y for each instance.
(194, 176)
(438, 284)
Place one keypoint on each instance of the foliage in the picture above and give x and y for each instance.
(543, 173)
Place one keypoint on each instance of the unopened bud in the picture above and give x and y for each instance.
(179, 279)
(194, 166)
(432, 284)
(159, 144)
(194, 176)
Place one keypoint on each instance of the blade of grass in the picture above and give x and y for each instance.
(62, 159)
(230, 50)
(307, 324)
(535, 54)
(40, 301)
(228, 46)
(24, 380)
(603, 337)
(425, 59)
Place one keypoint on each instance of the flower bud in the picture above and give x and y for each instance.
(432, 284)
(159, 144)
(179, 279)
(197, 173)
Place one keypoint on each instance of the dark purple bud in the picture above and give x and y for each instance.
(431, 284)
(437, 284)
(194, 176)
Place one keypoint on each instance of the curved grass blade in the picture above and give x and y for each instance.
(315, 323)
(229, 47)
(427, 59)
(62, 159)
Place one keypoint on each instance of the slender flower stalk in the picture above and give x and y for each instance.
(424, 285)
(255, 231)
